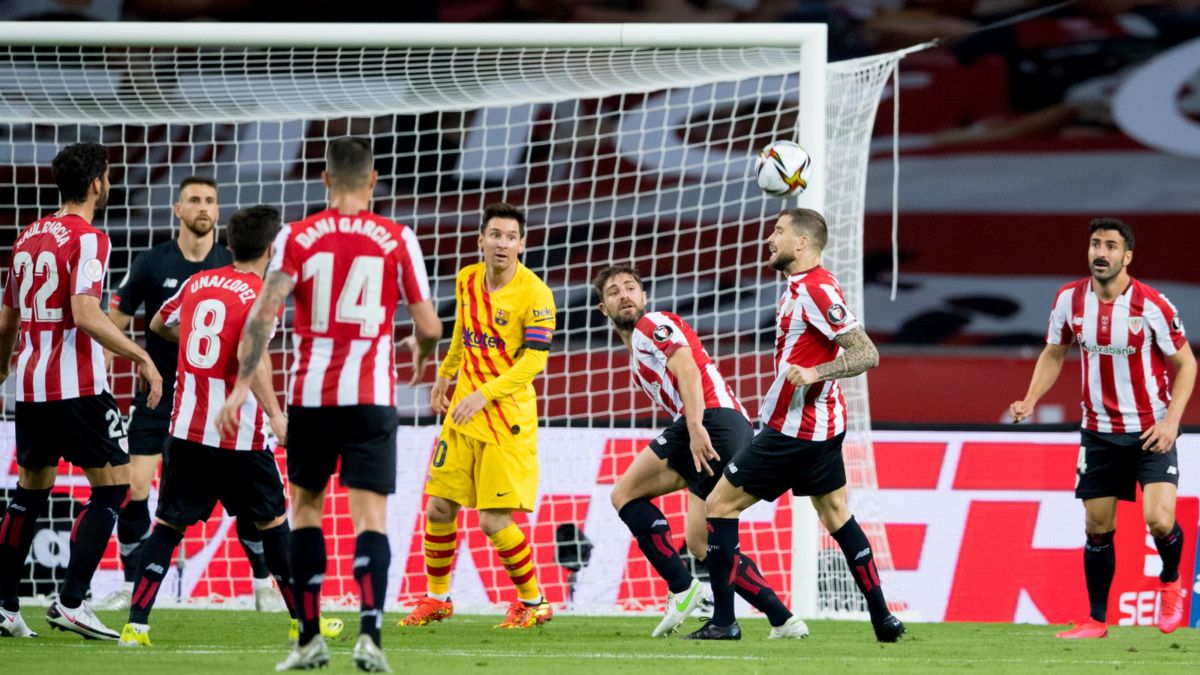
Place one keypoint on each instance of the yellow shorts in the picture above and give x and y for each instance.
(483, 475)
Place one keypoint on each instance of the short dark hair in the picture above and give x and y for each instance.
(348, 161)
(611, 271)
(503, 210)
(251, 230)
(809, 222)
(198, 180)
(75, 167)
(1119, 226)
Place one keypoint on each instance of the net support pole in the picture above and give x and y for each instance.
(811, 132)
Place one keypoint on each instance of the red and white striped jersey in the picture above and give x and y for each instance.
(655, 338)
(350, 272)
(1124, 345)
(811, 313)
(53, 259)
(210, 309)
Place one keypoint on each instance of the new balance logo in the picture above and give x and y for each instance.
(155, 567)
(170, 283)
(863, 553)
(732, 467)
(315, 580)
(660, 521)
(361, 561)
(1172, 471)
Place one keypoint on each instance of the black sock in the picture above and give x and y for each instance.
(722, 551)
(275, 552)
(649, 527)
(371, 559)
(252, 544)
(152, 567)
(1170, 549)
(861, 559)
(308, 572)
(1099, 563)
(750, 585)
(89, 538)
(16, 536)
(133, 528)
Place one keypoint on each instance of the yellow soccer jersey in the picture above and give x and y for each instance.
(501, 342)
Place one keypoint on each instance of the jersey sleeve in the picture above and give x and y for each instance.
(454, 355)
(825, 309)
(89, 263)
(541, 319)
(410, 270)
(169, 312)
(284, 257)
(1167, 325)
(664, 332)
(10, 291)
(131, 293)
(1058, 330)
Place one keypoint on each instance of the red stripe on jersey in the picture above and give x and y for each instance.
(473, 312)
(487, 305)
(1108, 380)
(1078, 303)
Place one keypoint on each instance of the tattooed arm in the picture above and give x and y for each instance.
(257, 332)
(858, 355)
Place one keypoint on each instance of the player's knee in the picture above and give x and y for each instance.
(439, 510)
(698, 548)
(139, 491)
(111, 496)
(1160, 523)
(492, 522)
(718, 505)
(619, 497)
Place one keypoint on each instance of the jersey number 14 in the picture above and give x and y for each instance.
(361, 299)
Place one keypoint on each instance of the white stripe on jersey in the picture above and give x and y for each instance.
(415, 260)
(181, 423)
(99, 369)
(385, 370)
(350, 373)
(277, 255)
(87, 251)
(22, 364)
(319, 354)
(216, 399)
(67, 367)
(247, 423)
(45, 339)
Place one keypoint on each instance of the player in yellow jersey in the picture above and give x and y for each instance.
(486, 456)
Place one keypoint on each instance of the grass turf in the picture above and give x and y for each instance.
(227, 642)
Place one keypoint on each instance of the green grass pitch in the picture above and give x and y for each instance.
(228, 643)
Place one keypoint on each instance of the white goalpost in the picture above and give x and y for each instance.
(624, 143)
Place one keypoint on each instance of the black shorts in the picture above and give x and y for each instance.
(729, 431)
(774, 463)
(363, 436)
(1110, 464)
(87, 431)
(148, 435)
(196, 476)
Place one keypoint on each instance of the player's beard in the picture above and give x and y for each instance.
(1106, 273)
(101, 204)
(628, 324)
(781, 261)
(198, 229)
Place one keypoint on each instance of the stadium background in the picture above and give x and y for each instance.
(1009, 146)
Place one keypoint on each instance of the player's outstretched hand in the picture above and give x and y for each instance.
(468, 408)
(418, 363)
(1019, 410)
(702, 449)
(439, 399)
(278, 425)
(149, 380)
(227, 417)
(1160, 438)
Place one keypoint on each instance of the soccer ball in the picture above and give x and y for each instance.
(783, 168)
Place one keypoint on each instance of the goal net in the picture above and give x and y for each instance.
(623, 143)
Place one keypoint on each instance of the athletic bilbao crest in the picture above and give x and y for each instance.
(662, 333)
(501, 317)
(1135, 325)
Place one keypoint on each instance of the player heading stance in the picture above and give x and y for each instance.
(486, 456)
(64, 408)
(1127, 333)
(710, 425)
(154, 277)
(349, 268)
(205, 317)
(817, 341)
